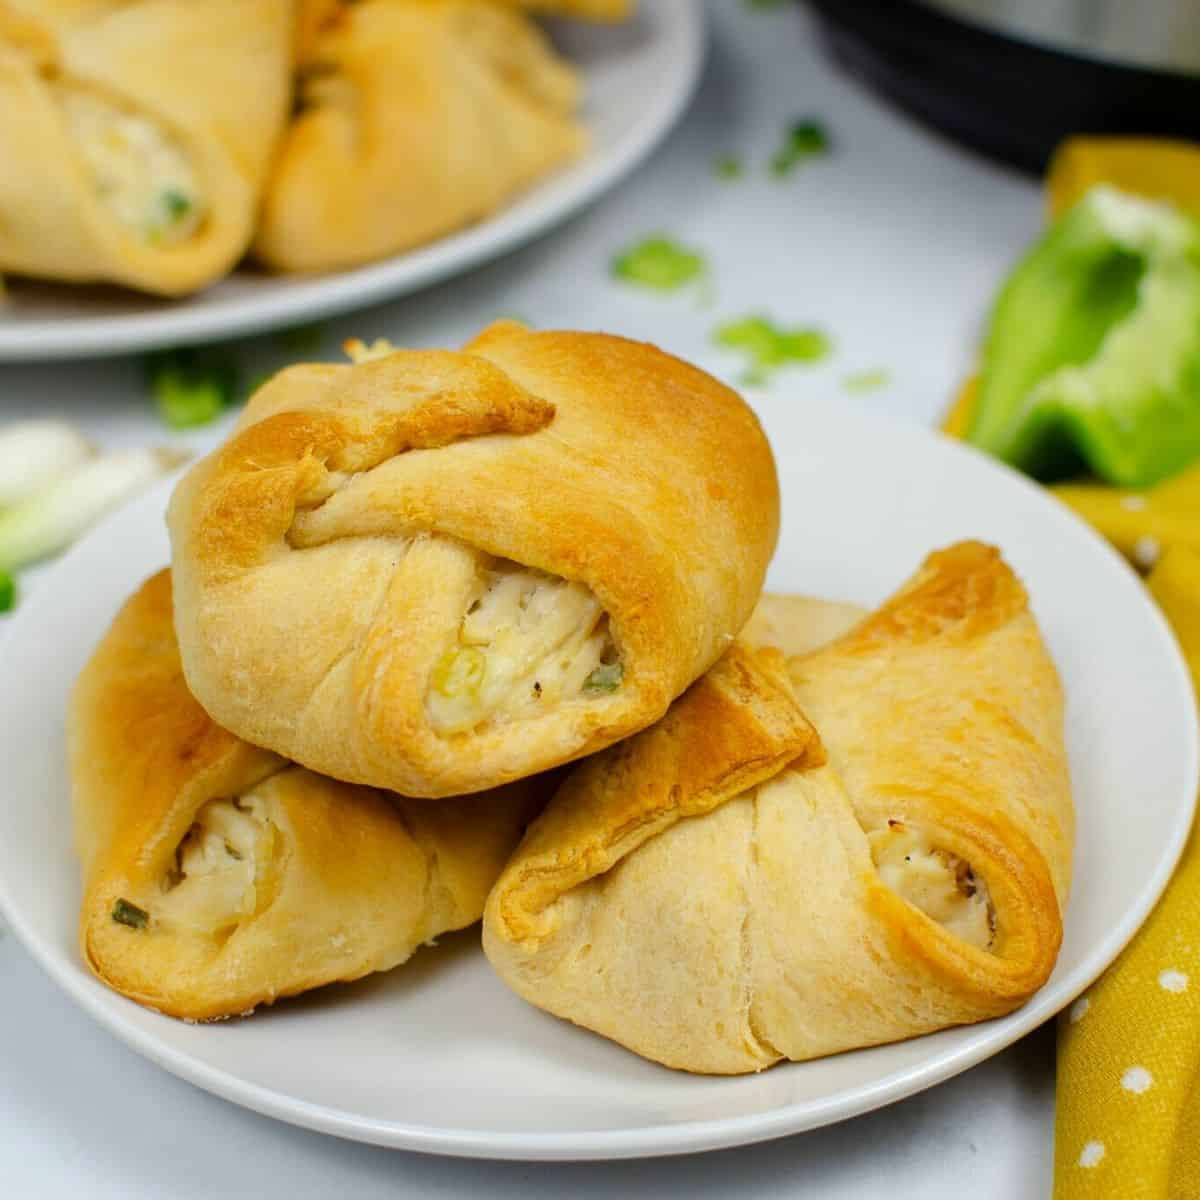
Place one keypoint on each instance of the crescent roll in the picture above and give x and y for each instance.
(218, 876)
(131, 151)
(416, 117)
(436, 572)
(736, 886)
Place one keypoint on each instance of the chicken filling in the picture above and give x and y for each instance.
(527, 642)
(218, 876)
(939, 883)
(140, 173)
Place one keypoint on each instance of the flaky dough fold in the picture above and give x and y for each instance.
(218, 876)
(102, 101)
(414, 118)
(436, 572)
(904, 872)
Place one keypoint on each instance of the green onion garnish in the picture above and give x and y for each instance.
(728, 166)
(767, 346)
(125, 913)
(658, 262)
(605, 678)
(870, 380)
(191, 388)
(176, 204)
(803, 140)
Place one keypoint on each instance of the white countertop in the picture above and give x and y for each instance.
(894, 245)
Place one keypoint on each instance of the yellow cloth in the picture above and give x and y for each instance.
(1153, 167)
(1128, 1115)
(1128, 1122)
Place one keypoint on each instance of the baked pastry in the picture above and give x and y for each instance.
(130, 152)
(584, 10)
(439, 571)
(218, 876)
(731, 888)
(416, 117)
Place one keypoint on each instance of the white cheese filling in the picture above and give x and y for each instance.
(217, 866)
(140, 173)
(527, 642)
(939, 883)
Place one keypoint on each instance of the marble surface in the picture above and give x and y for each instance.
(892, 245)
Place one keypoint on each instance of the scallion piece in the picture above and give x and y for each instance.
(604, 679)
(52, 518)
(33, 454)
(125, 913)
(176, 204)
(658, 262)
(8, 592)
(803, 140)
(191, 388)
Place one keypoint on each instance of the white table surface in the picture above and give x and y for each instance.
(894, 245)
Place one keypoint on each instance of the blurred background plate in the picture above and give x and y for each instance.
(639, 78)
(439, 1056)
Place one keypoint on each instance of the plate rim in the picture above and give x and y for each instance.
(688, 1136)
(326, 296)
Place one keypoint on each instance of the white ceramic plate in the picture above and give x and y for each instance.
(639, 78)
(437, 1055)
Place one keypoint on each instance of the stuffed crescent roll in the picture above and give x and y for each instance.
(416, 117)
(218, 876)
(130, 152)
(436, 572)
(731, 888)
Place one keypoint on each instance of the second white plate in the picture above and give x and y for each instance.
(638, 77)
(437, 1055)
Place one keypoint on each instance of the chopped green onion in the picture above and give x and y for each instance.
(604, 679)
(125, 913)
(184, 405)
(728, 166)
(460, 670)
(191, 388)
(803, 140)
(870, 380)
(767, 346)
(8, 592)
(763, 5)
(52, 518)
(33, 454)
(176, 204)
(660, 263)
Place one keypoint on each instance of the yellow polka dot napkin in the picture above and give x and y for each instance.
(1128, 1123)
(1128, 1103)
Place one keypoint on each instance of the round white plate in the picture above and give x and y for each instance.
(437, 1055)
(639, 78)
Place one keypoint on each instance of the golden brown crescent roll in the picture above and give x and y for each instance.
(727, 889)
(218, 876)
(438, 571)
(416, 117)
(135, 136)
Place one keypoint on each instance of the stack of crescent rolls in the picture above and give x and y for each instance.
(450, 635)
(154, 143)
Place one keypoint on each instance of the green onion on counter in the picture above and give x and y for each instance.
(34, 454)
(51, 518)
(191, 388)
